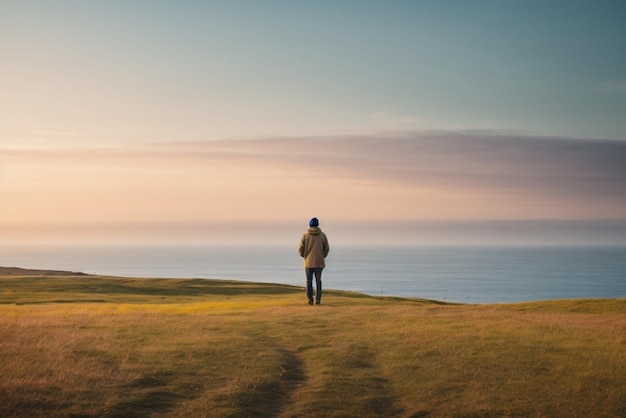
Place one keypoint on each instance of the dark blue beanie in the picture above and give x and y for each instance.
(314, 222)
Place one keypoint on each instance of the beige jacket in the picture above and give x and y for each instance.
(313, 247)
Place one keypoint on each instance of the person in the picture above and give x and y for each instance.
(314, 249)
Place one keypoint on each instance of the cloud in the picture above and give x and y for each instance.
(495, 162)
(393, 121)
(41, 139)
(492, 173)
(549, 173)
(615, 86)
(452, 158)
(54, 133)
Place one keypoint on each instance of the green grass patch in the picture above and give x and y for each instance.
(182, 348)
(86, 288)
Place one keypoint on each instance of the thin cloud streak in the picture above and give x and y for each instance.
(615, 86)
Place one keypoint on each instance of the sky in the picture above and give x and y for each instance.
(188, 119)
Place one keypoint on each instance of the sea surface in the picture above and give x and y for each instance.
(468, 274)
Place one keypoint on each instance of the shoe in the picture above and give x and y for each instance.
(318, 302)
(310, 302)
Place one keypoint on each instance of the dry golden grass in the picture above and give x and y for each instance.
(187, 348)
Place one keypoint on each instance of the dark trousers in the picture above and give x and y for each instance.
(317, 272)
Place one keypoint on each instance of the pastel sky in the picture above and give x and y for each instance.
(233, 112)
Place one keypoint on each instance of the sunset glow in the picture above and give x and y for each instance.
(163, 113)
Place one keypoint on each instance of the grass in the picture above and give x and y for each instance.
(187, 348)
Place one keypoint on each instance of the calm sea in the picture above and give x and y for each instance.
(461, 274)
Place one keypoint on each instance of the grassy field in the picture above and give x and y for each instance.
(77, 345)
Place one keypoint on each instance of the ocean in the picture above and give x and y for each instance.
(467, 274)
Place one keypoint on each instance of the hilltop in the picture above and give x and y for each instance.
(16, 271)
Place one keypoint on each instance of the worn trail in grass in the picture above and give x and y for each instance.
(139, 347)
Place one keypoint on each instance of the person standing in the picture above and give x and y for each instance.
(314, 249)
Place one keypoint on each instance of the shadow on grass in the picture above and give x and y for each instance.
(145, 405)
(272, 396)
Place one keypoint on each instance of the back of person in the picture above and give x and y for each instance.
(314, 247)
